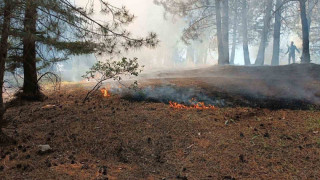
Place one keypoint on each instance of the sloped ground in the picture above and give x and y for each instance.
(118, 138)
(295, 86)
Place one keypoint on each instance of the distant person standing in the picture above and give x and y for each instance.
(292, 52)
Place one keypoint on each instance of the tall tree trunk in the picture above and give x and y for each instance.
(245, 40)
(311, 6)
(205, 54)
(276, 34)
(264, 34)
(7, 12)
(225, 31)
(31, 90)
(199, 53)
(203, 51)
(190, 54)
(219, 32)
(305, 33)
(235, 29)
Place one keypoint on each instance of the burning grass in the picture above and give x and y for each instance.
(198, 105)
(195, 105)
(105, 92)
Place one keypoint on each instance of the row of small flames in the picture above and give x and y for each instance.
(195, 105)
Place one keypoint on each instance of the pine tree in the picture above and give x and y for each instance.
(7, 14)
(44, 26)
(59, 27)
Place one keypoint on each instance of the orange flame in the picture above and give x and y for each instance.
(198, 105)
(105, 92)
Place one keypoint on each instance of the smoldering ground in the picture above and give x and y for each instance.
(284, 87)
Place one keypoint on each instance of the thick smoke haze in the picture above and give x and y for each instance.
(171, 52)
(149, 18)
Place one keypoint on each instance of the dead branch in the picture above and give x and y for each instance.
(56, 81)
(94, 89)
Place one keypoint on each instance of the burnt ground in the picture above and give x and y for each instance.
(296, 86)
(118, 138)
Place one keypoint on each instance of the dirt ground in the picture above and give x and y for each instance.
(116, 138)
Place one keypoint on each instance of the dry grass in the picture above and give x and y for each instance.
(120, 139)
(117, 138)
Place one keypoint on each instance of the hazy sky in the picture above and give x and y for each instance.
(149, 18)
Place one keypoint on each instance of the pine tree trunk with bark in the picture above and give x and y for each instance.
(219, 33)
(234, 35)
(245, 40)
(7, 13)
(276, 34)
(31, 89)
(225, 31)
(264, 34)
(305, 33)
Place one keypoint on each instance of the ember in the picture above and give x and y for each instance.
(105, 92)
(195, 105)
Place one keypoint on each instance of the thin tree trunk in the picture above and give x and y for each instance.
(264, 34)
(30, 88)
(199, 53)
(305, 33)
(276, 34)
(203, 52)
(246, 54)
(7, 12)
(190, 54)
(219, 32)
(225, 30)
(205, 55)
(235, 29)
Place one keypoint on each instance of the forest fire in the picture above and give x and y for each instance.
(198, 105)
(105, 92)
